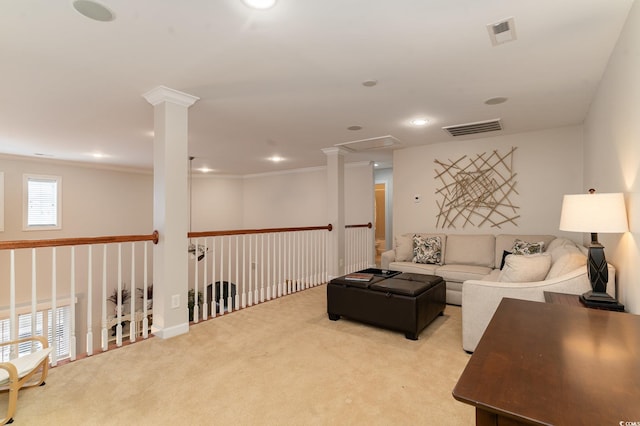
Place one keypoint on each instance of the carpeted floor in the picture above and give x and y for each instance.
(279, 363)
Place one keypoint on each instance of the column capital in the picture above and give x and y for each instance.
(165, 94)
(335, 150)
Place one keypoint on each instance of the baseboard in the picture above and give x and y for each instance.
(169, 332)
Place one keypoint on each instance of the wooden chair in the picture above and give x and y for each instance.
(15, 374)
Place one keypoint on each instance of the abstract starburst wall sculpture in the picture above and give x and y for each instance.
(476, 191)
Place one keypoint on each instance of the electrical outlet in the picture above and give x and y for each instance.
(175, 301)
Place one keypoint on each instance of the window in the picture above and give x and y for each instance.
(43, 322)
(42, 209)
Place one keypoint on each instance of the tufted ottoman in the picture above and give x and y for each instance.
(406, 302)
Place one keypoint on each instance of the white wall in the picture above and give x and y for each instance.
(299, 197)
(612, 153)
(217, 203)
(548, 164)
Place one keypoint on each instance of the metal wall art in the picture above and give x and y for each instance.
(476, 191)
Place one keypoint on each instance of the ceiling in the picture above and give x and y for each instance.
(288, 81)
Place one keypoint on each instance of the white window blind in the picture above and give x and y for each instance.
(42, 202)
(60, 336)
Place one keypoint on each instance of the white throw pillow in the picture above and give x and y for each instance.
(525, 268)
(404, 248)
(568, 262)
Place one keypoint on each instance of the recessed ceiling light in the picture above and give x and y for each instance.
(495, 101)
(354, 128)
(276, 159)
(375, 164)
(419, 121)
(93, 10)
(205, 169)
(98, 155)
(369, 83)
(260, 4)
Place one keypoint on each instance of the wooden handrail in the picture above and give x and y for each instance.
(21, 244)
(202, 234)
(364, 225)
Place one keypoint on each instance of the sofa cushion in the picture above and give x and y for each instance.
(427, 250)
(462, 273)
(506, 241)
(565, 259)
(417, 268)
(525, 268)
(404, 248)
(476, 250)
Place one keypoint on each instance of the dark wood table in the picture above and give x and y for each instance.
(554, 364)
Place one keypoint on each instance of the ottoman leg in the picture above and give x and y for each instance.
(334, 317)
(411, 336)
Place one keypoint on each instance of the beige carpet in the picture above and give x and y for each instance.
(279, 363)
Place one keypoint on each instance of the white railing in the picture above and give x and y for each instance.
(359, 247)
(87, 272)
(241, 268)
(50, 282)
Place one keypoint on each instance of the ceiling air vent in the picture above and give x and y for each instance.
(380, 142)
(474, 128)
(502, 31)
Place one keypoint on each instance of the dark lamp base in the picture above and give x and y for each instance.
(601, 300)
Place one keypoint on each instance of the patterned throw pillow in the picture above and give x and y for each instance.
(427, 250)
(523, 247)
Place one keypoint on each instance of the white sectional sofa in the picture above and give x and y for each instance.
(470, 266)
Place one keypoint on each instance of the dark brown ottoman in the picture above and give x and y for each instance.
(405, 302)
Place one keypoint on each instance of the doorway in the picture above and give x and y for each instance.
(380, 219)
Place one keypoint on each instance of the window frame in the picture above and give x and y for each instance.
(25, 203)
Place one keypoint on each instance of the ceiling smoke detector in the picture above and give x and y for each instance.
(502, 31)
(93, 10)
(474, 128)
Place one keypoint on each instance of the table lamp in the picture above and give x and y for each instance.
(595, 213)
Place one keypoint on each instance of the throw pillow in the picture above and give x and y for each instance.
(525, 268)
(504, 256)
(570, 261)
(523, 247)
(404, 248)
(427, 249)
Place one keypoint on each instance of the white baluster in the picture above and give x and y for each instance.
(34, 298)
(72, 308)
(89, 342)
(221, 285)
(237, 279)
(105, 333)
(261, 268)
(13, 318)
(213, 277)
(205, 304)
(244, 272)
(280, 260)
(268, 296)
(229, 298)
(119, 299)
(54, 310)
(145, 299)
(133, 323)
(196, 310)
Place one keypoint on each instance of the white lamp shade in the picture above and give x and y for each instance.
(594, 213)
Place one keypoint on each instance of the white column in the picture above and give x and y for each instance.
(170, 210)
(335, 210)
